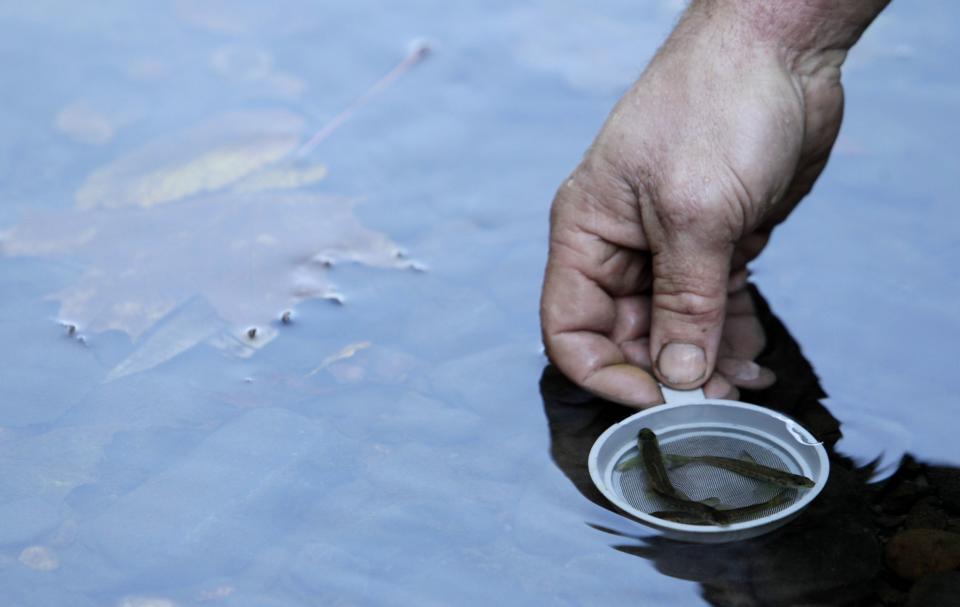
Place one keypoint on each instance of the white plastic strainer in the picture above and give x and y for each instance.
(689, 424)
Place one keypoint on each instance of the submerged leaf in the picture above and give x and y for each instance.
(203, 159)
(346, 352)
(182, 329)
(281, 178)
(248, 255)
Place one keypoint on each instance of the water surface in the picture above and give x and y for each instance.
(392, 444)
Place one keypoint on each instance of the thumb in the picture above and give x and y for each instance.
(689, 297)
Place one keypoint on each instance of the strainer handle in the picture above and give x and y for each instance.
(681, 397)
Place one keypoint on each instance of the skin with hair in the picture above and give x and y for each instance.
(724, 133)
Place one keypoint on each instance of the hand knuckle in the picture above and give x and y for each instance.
(702, 307)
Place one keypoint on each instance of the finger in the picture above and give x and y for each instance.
(743, 337)
(637, 352)
(597, 364)
(632, 329)
(739, 302)
(746, 373)
(595, 261)
(689, 296)
(577, 316)
(597, 232)
(719, 387)
(632, 318)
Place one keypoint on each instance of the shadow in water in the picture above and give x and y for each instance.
(895, 542)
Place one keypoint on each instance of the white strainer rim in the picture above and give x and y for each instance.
(601, 478)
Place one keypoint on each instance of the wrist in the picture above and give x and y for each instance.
(809, 35)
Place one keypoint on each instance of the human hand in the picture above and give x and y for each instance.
(742, 340)
(715, 144)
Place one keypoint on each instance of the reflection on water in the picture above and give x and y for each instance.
(833, 554)
(385, 445)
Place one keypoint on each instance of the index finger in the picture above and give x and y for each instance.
(578, 318)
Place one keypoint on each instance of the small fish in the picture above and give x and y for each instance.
(733, 515)
(690, 516)
(745, 467)
(660, 481)
(702, 511)
(653, 464)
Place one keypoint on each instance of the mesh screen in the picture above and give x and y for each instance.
(702, 481)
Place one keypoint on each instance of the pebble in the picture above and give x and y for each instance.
(40, 558)
(914, 553)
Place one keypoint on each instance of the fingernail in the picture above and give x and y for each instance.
(682, 363)
(744, 370)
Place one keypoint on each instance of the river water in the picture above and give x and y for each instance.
(247, 368)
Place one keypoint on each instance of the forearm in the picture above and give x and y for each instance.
(802, 31)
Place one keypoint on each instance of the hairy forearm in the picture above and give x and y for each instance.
(803, 31)
(807, 25)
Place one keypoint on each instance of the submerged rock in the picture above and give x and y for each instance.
(914, 553)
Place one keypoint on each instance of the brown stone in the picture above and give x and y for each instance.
(914, 553)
